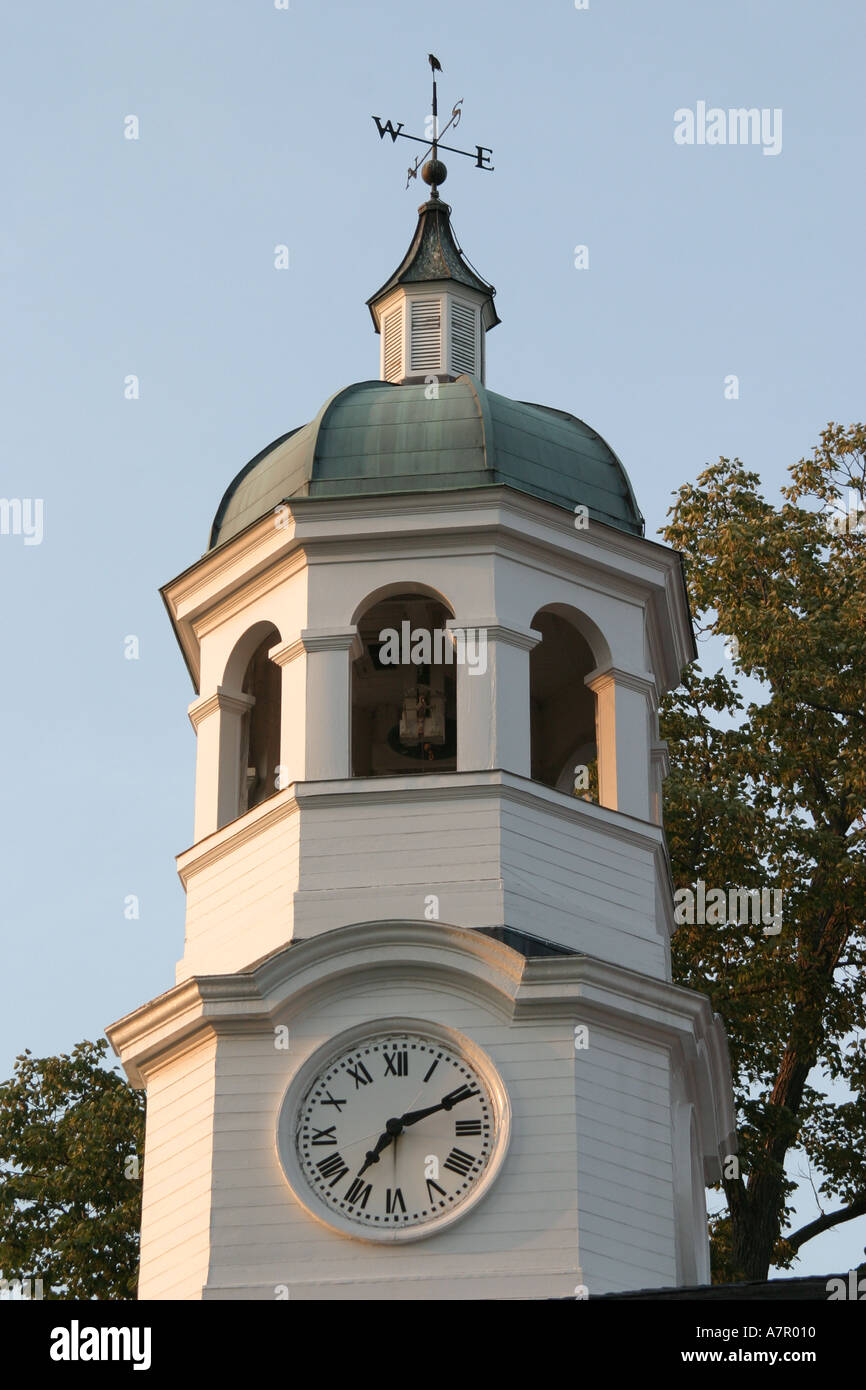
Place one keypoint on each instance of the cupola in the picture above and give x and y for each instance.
(433, 313)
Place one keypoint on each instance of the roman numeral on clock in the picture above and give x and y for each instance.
(434, 1187)
(359, 1075)
(392, 1199)
(325, 1136)
(463, 1127)
(459, 1162)
(397, 1063)
(359, 1193)
(333, 1168)
(330, 1101)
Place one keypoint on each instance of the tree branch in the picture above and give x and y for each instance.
(828, 1220)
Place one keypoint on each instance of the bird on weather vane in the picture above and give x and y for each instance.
(434, 171)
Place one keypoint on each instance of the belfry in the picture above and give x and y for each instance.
(423, 1041)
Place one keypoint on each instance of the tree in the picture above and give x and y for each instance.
(772, 795)
(71, 1132)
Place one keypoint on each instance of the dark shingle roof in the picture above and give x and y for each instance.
(434, 255)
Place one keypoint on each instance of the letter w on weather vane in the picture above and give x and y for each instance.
(436, 172)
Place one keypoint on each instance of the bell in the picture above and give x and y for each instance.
(423, 716)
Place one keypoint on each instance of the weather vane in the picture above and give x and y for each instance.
(434, 171)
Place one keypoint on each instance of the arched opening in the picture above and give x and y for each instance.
(404, 688)
(260, 726)
(564, 751)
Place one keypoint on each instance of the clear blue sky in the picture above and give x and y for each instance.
(155, 257)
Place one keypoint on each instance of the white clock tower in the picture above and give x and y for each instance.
(423, 1041)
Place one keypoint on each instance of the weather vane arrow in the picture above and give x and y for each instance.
(434, 171)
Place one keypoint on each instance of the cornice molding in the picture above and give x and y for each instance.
(246, 1001)
(238, 832)
(268, 576)
(218, 563)
(492, 518)
(447, 786)
(572, 987)
(377, 791)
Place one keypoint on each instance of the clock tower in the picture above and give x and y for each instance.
(423, 1041)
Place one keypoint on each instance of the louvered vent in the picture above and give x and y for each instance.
(463, 339)
(426, 335)
(392, 335)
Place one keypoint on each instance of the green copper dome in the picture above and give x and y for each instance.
(375, 437)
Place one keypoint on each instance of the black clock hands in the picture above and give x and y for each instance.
(395, 1127)
(447, 1103)
(392, 1129)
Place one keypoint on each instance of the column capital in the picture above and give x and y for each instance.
(332, 639)
(643, 682)
(285, 652)
(524, 638)
(660, 758)
(221, 699)
(318, 639)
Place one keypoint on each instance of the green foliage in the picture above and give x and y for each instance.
(773, 795)
(70, 1133)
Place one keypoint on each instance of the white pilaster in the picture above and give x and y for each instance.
(493, 702)
(625, 707)
(328, 656)
(292, 660)
(217, 719)
(661, 766)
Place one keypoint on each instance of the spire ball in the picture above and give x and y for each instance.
(434, 172)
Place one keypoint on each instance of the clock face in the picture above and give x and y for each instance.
(396, 1131)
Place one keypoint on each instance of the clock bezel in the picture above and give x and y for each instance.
(307, 1074)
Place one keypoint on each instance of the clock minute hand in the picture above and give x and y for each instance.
(413, 1116)
(453, 1098)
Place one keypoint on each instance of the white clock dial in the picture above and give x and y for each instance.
(396, 1131)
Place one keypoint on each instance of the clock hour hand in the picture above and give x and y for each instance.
(392, 1129)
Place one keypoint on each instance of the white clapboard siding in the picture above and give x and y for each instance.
(177, 1177)
(625, 1164)
(531, 1226)
(489, 862)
